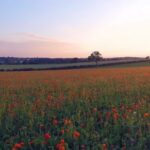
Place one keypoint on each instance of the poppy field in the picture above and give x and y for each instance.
(84, 109)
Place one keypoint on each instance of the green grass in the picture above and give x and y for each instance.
(137, 64)
(42, 66)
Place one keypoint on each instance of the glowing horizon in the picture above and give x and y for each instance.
(74, 29)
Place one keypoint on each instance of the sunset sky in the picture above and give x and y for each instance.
(74, 28)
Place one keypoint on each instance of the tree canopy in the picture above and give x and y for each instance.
(95, 56)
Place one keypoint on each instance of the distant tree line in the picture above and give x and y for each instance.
(14, 60)
(94, 57)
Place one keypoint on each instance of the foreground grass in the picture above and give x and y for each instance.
(86, 109)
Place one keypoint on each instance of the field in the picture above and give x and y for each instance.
(43, 66)
(89, 109)
(137, 64)
(108, 63)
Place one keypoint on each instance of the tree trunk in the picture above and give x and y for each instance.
(96, 63)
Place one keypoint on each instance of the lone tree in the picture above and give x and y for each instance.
(95, 56)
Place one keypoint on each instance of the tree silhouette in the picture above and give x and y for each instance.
(95, 56)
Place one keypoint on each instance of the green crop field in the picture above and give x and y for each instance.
(42, 66)
(137, 64)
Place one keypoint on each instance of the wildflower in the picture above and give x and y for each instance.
(83, 147)
(61, 145)
(114, 110)
(67, 130)
(45, 142)
(62, 141)
(146, 115)
(135, 106)
(116, 116)
(124, 116)
(100, 117)
(55, 122)
(18, 146)
(47, 136)
(31, 142)
(124, 147)
(104, 147)
(67, 122)
(94, 110)
(76, 134)
(122, 107)
(62, 131)
(129, 110)
(108, 114)
(22, 143)
(49, 97)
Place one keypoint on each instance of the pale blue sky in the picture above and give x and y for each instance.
(74, 28)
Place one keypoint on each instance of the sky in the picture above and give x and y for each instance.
(74, 28)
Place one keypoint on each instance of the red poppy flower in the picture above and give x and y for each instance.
(55, 122)
(114, 110)
(104, 147)
(76, 134)
(146, 115)
(47, 136)
(116, 116)
(62, 131)
(18, 146)
(61, 145)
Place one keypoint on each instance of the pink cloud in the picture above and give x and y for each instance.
(39, 48)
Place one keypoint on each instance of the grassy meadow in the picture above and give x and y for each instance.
(89, 109)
